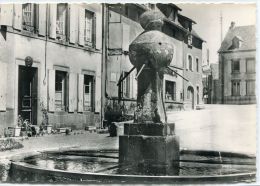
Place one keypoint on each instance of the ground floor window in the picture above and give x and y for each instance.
(250, 87)
(235, 88)
(88, 92)
(170, 90)
(60, 90)
(126, 85)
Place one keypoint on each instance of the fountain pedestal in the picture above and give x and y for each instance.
(152, 147)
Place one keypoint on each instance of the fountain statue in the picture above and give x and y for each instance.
(150, 141)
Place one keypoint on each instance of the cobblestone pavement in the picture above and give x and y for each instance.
(217, 127)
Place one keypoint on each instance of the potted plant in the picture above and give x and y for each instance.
(45, 119)
(17, 128)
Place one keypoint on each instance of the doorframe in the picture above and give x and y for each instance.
(21, 62)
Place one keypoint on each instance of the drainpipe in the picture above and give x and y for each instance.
(103, 62)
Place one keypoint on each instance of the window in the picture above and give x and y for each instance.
(62, 10)
(197, 64)
(250, 87)
(88, 92)
(170, 90)
(29, 17)
(235, 88)
(189, 93)
(60, 90)
(126, 86)
(190, 40)
(235, 66)
(250, 65)
(89, 28)
(190, 62)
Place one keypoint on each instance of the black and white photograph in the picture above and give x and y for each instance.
(129, 92)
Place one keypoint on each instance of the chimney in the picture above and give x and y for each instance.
(232, 25)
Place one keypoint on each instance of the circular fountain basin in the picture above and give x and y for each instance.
(94, 166)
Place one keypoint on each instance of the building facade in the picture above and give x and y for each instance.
(182, 85)
(237, 65)
(50, 57)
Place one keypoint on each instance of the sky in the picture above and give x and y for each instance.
(207, 17)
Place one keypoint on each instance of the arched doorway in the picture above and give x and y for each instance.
(190, 96)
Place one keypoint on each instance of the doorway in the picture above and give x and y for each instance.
(27, 93)
(190, 96)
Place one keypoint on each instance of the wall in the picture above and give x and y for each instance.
(15, 45)
(243, 76)
(194, 77)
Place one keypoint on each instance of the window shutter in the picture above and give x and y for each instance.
(80, 92)
(81, 25)
(98, 31)
(18, 16)
(94, 31)
(3, 81)
(73, 25)
(6, 14)
(72, 88)
(96, 94)
(52, 21)
(42, 19)
(125, 40)
(134, 86)
(229, 66)
(242, 88)
(51, 91)
(187, 62)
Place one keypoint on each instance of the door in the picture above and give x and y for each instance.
(190, 96)
(27, 93)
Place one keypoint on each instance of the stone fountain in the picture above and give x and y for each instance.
(150, 143)
(149, 150)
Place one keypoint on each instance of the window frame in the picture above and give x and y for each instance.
(247, 88)
(64, 34)
(197, 64)
(64, 91)
(254, 65)
(34, 18)
(171, 94)
(237, 87)
(190, 63)
(235, 71)
(93, 29)
(91, 93)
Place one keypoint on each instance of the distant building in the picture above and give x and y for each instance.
(237, 65)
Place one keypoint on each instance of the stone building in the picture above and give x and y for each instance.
(237, 65)
(50, 58)
(123, 21)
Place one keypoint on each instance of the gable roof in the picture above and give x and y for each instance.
(245, 33)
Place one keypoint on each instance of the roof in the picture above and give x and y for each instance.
(184, 17)
(245, 33)
(196, 35)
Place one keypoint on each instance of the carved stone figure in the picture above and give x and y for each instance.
(151, 52)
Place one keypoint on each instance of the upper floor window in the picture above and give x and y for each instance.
(235, 66)
(62, 11)
(197, 64)
(250, 65)
(170, 90)
(29, 16)
(190, 62)
(190, 40)
(89, 28)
